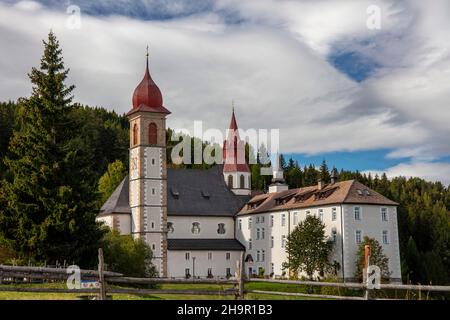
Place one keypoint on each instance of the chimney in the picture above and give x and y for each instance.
(320, 184)
(334, 176)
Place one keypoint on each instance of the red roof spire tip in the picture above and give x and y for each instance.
(147, 96)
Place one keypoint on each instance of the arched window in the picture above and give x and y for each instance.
(230, 181)
(152, 134)
(242, 181)
(135, 134)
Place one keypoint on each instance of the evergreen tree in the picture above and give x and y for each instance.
(324, 174)
(51, 197)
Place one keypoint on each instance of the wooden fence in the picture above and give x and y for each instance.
(13, 273)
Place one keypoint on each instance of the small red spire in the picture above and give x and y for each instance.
(233, 123)
(234, 149)
(147, 96)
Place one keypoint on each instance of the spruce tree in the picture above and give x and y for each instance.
(50, 199)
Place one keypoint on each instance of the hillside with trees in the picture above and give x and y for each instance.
(53, 153)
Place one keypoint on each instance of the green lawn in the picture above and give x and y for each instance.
(73, 296)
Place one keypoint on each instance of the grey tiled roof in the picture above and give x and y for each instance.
(205, 244)
(118, 202)
(190, 192)
(196, 192)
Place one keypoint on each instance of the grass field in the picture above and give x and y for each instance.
(73, 296)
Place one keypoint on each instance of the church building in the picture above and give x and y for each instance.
(198, 222)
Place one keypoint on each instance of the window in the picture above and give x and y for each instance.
(263, 233)
(242, 181)
(195, 228)
(230, 181)
(228, 271)
(358, 236)
(384, 216)
(271, 242)
(187, 255)
(263, 255)
(262, 219)
(283, 220)
(333, 214)
(153, 225)
(308, 213)
(249, 182)
(360, 192)
(210, 272)
(250, 244)
(153, 247)
(170, 227)
(272, 268)
(357, 212)
(135, 134)
(153, 191)
(187, 273)
(209, 255)
(228, 256)
(385, 237)
(257, 234)
(366, 192)
(153, 161)
(240, 224)
(257, 219)
(249, 223)
(257, 255)
(283, 241)
(295, 218)
(221, 228)
(152, 134)
(333, 235)
(271, 221)
(321, 214)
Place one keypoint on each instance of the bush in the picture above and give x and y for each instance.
(124, 254)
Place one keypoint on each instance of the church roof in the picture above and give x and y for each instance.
(190, 192)
(196, 192)
(350, 191)
(118, 202)
(205, 244)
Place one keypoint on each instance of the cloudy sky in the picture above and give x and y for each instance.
(362, 98)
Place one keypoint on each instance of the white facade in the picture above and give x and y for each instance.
(264, 236)
(240, 182)
(189, 227)
(201, 263)
(119, 222)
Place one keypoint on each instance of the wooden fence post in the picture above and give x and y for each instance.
(240, 277)
(101, 276)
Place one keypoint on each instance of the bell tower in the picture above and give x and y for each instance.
(148, 171)
(236, 172)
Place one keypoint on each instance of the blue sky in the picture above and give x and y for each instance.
(363, 99)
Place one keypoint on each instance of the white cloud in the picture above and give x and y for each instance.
(274, 65)
(431, 171)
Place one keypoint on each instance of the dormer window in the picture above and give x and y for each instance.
(174, 193)
(205, 194)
